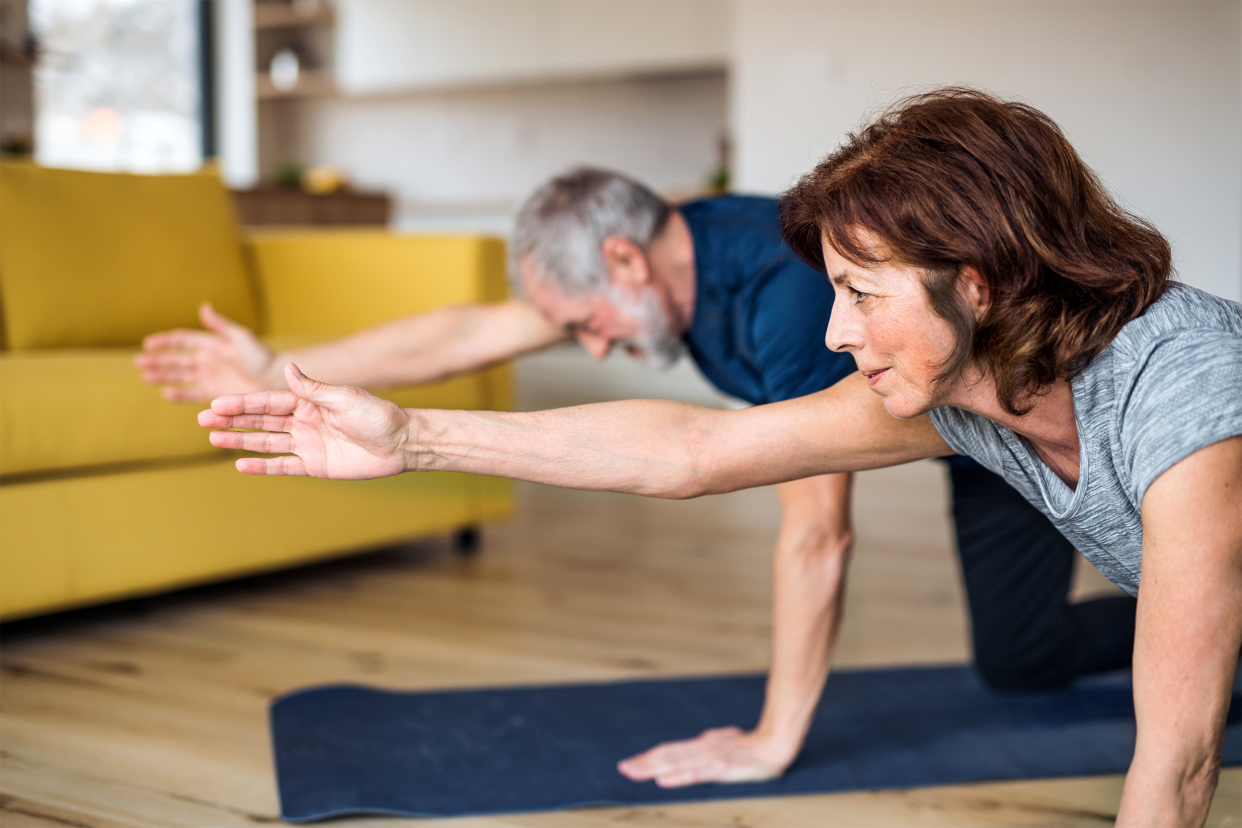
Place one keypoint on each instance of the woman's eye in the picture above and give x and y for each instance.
(857, 296)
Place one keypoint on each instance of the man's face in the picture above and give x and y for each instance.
(635, 320)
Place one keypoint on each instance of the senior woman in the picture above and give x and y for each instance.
(999, 304)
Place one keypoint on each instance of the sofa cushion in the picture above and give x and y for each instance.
(104, 259)
(80, 408)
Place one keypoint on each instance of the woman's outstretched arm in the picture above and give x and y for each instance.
(647, 447)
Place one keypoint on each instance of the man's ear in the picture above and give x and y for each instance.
(975, 289)
(626, 263)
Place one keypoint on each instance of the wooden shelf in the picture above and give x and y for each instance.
(278, 206)
(311, 82)
(286, 15)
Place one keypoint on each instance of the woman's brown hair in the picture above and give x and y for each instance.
(957, 178)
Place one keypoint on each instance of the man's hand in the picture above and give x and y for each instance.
(197, 366)
(725, 754)
(331, 431)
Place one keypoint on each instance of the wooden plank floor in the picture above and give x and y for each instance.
(153, 712)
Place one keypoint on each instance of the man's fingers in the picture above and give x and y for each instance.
(681, 778)
(178, 339)
(276, 466)
(168, 360)
(214, 321)
(262, 442)
(174, 394)
(661, 759)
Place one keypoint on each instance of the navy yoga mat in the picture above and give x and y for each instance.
(350, 750)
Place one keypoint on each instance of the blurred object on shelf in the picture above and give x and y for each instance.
(289, 175)
(270, 205)
(322, 180)
(283, 70)
(293, 48)
(17, 145)
(721, 178)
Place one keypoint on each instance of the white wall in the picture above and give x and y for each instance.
(462, 160)
(400, 45)
(236, 111)
(1149, 92)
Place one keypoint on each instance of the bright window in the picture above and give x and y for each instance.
(117, 84)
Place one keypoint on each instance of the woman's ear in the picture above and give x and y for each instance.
(975, 288)
(626, 263)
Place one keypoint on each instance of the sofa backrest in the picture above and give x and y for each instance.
(335, 282)
(98, 259)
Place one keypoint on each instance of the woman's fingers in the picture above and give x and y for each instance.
(276, 466)
(260, 441)
(263, 402)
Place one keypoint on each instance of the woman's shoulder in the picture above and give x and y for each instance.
(1182, 310)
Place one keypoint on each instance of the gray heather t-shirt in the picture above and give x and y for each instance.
(1168, 385)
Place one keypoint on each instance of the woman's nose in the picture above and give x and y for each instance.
(842, 334)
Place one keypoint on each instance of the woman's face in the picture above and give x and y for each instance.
(881, 315)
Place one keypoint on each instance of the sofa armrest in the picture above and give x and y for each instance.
(330, 283)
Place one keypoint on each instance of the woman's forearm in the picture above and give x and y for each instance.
(646, 447)
(674, 450)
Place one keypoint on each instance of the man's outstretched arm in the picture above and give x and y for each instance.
(809, 567)
(655, 448)
(228, 358)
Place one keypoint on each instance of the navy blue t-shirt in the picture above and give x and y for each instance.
(760, 314)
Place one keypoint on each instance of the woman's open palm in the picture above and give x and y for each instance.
(330, 431)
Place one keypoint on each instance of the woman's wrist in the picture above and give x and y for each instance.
(416, 455)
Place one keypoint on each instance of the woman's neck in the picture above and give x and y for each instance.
(1049, 426)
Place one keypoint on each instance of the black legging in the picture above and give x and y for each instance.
(1017, 569)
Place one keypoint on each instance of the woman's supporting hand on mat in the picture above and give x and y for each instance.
(323, 430)
(723, 754)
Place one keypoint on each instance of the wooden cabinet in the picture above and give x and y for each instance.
(266, 206)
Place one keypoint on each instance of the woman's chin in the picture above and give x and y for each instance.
(903, 408)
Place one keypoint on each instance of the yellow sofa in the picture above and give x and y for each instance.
(108, 491)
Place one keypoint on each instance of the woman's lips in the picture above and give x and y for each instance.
(874, 376)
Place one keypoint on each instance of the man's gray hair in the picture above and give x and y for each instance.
(562, 225)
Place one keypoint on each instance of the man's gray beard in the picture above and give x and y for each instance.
(659, 344)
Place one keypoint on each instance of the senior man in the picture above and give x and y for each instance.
(604, 260)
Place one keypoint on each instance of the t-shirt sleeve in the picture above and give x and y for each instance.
(789, 318)
(1186, 395)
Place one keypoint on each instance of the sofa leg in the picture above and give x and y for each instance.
(466, 540)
